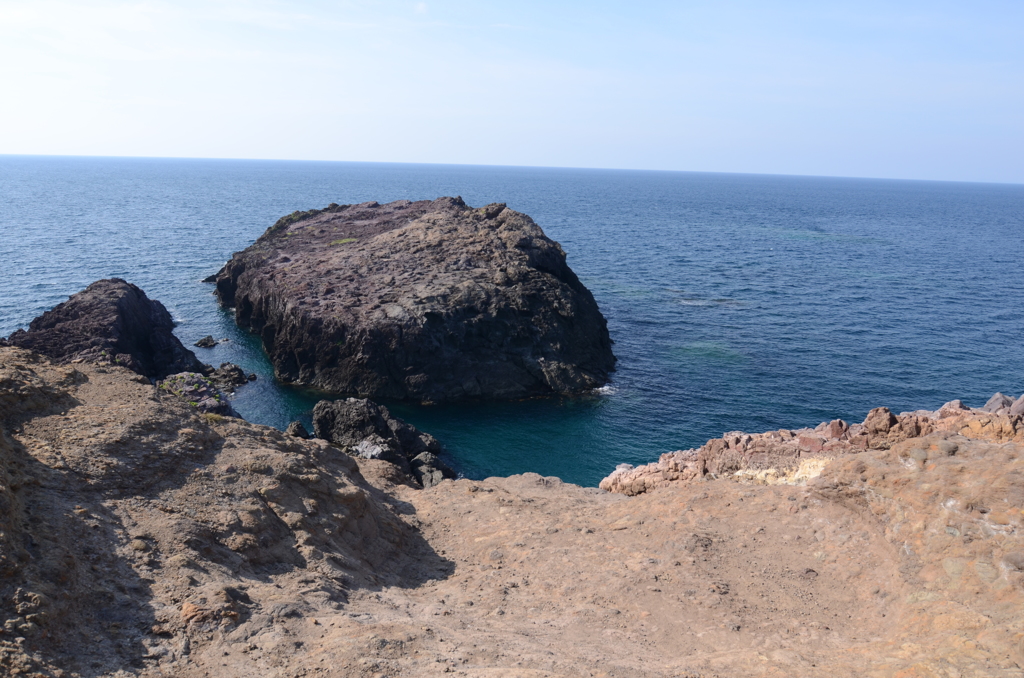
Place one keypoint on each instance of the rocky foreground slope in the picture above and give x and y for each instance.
(139, 537)
(427, 300)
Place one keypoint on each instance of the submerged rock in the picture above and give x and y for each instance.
(368, 430)
(110, 322)
(428, 300)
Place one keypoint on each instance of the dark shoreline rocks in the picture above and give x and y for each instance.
(429, 301)
(110, 322)
(298, 430)
(365, 429)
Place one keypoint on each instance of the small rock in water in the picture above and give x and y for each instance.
(206, 342)
(229, 375)
(297, 429)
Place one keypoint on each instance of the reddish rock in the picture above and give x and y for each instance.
(837, 428)
(879, 420)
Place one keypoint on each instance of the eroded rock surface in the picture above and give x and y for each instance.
(135, 531)
(198, 391)
(427, 300)
(110, 322)
(138, 537)
(794, 455)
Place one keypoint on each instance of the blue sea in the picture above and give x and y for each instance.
(736, 302)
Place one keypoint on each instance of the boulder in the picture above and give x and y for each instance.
(297, 430)
(110, 322)
(429, 470)
(951, 409)
(206, 342)
(879, 420)
(996, 403)
(1017, 409)
(428, 301)
(377, 447)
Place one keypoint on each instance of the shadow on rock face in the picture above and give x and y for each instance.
(135, 528)
(70, 594)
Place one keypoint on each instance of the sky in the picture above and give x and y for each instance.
(914, 90)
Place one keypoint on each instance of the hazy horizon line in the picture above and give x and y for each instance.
(542, 167)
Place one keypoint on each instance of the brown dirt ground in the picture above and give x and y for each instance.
(138, 538)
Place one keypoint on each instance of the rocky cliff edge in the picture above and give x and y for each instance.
(139, 537)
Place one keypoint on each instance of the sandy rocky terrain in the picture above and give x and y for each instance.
(139, 536)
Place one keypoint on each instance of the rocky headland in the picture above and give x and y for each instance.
(113, 322)
(427, 301)
(142, 536)
(110, 322)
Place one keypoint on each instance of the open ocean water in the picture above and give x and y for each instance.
(736, 302)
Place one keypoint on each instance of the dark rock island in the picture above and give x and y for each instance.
(427, 300)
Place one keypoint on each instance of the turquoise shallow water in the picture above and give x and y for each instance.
(736, 302)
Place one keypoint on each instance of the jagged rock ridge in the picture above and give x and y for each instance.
(787, 455)
(368, 430)
(427, 300)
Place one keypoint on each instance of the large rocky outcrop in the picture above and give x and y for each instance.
(427, 300)
(110, 322)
